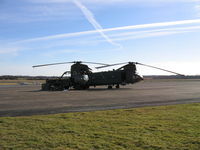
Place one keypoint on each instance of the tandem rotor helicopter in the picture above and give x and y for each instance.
(81, 76)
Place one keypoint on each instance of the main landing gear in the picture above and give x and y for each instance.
(117, 86)
(110, 86)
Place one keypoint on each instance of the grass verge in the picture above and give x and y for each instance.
(164, 127)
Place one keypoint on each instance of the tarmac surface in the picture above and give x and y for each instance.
(25, 100)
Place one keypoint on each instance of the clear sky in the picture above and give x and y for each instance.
(164, 33)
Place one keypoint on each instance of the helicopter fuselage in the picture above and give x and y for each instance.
(82, 78)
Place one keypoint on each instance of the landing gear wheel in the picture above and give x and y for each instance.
(110, 87)
(66, 88)
(117, 86)
(86, 87)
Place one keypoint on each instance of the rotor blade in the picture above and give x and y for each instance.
(160, 69)
(95, 63)
(68, 63)
(110, 65)
(52, 64)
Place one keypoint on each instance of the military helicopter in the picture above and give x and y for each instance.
(82, 77)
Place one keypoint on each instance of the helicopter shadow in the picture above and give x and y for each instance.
(105, 89)
(88, 90)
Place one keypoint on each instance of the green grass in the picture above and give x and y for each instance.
(165, 127)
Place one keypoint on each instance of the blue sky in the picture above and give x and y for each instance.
(156, 32)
